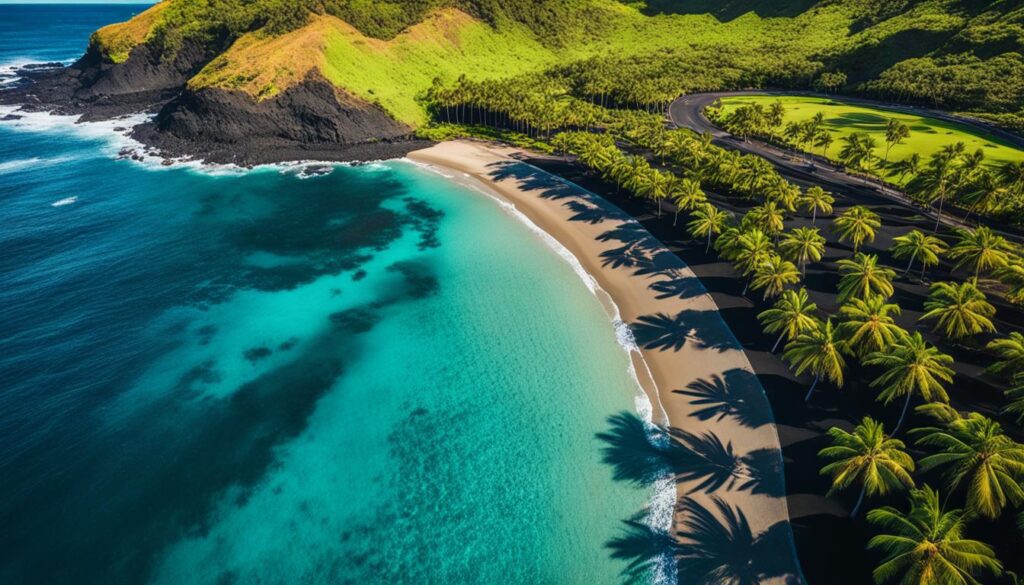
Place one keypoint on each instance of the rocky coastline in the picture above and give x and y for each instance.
(311, 120)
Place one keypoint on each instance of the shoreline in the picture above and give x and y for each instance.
(680, 340)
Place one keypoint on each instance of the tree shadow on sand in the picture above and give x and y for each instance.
(667, 332)
(680, 287)
(714, 546)
(640, 453)
(629, 256)
(588, 213)
(718, 547)
(737, 395)
(531, 178)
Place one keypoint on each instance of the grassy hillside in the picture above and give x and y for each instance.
(955, 53)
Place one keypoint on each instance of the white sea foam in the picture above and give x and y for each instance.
(65, 201)
(13, 166)
(46, 123)
(662, 506)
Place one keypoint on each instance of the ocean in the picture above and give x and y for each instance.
(211, 375)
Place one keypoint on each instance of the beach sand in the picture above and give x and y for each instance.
(726, 449)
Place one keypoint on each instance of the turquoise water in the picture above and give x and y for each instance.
(373, 376)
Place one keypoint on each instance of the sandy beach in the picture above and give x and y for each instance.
(725, 446)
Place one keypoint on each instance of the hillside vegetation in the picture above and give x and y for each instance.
(957, 54)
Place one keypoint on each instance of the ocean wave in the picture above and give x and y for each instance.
(65, 201)
(9, 69)
(13, 166)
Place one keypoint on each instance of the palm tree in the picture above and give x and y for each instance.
(708, 221)
(818, 351)
(1010, 352)
(862, 277)
(911, 367)
(960, 309)
(817, 200)
(869, 458)
(1009, 362)
(752, 249)
(867, 325)
(803, 245)
(974, 451)
(654, 187)
(1012, 275)
(858, 150)
(980, 249)
(986, 194)
(685, 194)
(792, 315)
(907, 167)
(925, 546)
(728, 242)
(895, 133)
(769, 218)
(857, 224)
(784, 194)
(915, 245)
(773, 275)
(824, 139)
(1015, 399)
(1011, 175)
(941, 178)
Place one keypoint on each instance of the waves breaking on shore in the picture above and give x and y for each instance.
(661, 508)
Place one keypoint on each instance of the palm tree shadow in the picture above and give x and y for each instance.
(738, 395)
(531, 178)
(667, 332)
(718, 547)
(642, 547)
(764, 473)
(683, 287)
(641, 453)
(704, 458)
(633, 451)
(630, 256)
(592, 214)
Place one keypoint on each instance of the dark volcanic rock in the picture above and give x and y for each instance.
(98, 89)
(311, 120)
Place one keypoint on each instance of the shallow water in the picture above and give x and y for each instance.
(373, 376)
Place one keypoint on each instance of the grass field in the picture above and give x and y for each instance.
(927, 135)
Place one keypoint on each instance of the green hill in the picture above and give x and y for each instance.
(951, 53)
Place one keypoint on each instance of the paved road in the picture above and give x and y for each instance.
(688, 112)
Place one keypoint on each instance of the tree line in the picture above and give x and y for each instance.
(951, 175)
(975, 459)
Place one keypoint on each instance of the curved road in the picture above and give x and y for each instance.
(688, 112)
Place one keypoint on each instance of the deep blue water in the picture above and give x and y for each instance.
(210, 376)
(54, 32)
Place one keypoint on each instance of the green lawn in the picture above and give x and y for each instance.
(927, 135)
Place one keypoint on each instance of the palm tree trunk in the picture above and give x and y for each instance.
(708, 248)
(811, 391)
(860, 500)
(911, 263)
(814, 215)
(938, 216)
(778, 341)
(902, 415)
(676, 218)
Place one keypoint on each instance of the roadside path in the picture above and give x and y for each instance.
(688, 112)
